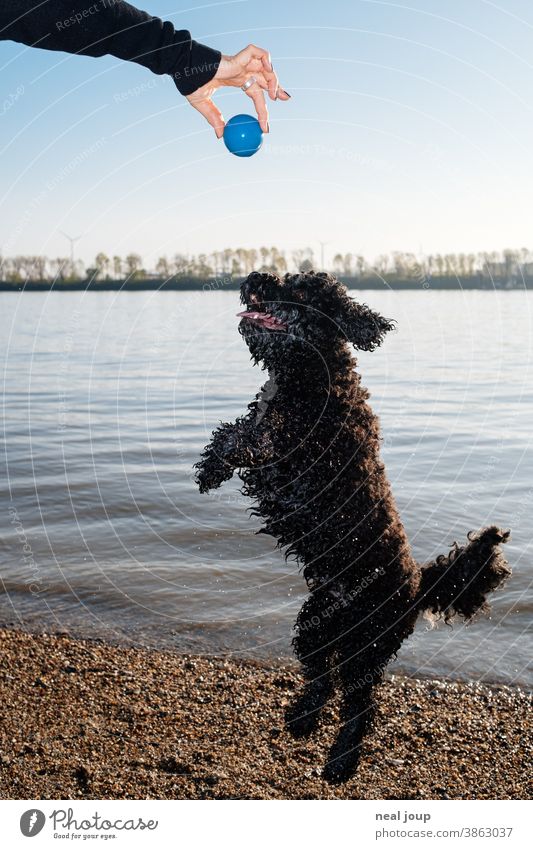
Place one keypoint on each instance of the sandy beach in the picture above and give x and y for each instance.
(83, 720)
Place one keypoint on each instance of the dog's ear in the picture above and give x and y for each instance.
(363, 327)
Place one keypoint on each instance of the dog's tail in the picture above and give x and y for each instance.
(458, 583)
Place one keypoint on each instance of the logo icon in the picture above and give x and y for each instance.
(32, 822)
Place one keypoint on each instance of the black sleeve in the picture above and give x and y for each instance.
(100, 27)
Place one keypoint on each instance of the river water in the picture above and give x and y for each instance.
(108, 399)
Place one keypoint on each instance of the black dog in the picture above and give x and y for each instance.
(308, 454)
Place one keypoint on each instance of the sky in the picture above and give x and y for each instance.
(410, 128)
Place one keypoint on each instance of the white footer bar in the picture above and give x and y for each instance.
(242, 824)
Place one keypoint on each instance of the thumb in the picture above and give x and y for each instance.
(211, 113)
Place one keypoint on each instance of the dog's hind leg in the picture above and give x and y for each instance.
(359, 684)
(313, 648)
(303, 715)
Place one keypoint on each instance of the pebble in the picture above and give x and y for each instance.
(82, 719)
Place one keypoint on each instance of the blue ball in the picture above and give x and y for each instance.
(243, 135)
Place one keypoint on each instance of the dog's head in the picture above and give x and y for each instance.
(302, 314)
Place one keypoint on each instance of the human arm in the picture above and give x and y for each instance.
(116, 28)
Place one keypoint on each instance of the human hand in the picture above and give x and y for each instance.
(235, 71)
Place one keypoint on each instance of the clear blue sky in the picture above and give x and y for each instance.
(410, 128)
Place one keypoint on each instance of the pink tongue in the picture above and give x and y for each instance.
(265, 318)
(247, 314)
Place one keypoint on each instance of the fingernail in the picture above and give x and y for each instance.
(287, 93)
(268, 127)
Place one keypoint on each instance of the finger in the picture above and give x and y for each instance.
(266, 59)
(260, 106)
(254, 66)
(275, 91)
(260, 80)
(255, 58)
(271, 80)
(254, 52)
(211, 113)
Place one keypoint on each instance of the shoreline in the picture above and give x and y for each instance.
(475, 283)
(156, 644)
(83, 719)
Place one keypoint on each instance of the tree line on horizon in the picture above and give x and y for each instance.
(509, 265)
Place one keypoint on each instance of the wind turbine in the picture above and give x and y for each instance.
(72, 240)
(322, 246)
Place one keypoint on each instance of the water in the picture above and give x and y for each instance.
(109, 398)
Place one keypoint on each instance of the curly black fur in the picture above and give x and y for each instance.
(308, 456)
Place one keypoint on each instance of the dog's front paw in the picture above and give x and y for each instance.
(211, 472)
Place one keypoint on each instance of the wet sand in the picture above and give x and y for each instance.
(86, 720)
